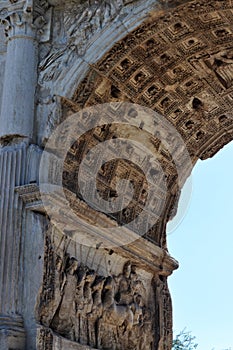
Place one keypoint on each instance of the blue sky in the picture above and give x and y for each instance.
(202, 288)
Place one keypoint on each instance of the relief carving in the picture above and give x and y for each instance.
(103, 312)
(186, 74)
(80, 22)
(165, 313)
(222, 65)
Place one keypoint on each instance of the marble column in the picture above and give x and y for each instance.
(16, 134)
(18, 100)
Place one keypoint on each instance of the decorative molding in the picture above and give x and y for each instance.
(25, 18)
(179, 63)
(30, 195)
(7, 322)
(48, 340)
(156, 259)
(12, 332)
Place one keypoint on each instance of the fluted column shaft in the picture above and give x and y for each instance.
(12, 168)
(18, 100)
(16, 120)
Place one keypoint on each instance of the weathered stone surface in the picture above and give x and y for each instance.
(12, 333)
(2, 58)
(63, 286)
(46, 339)
(22, 26)
(22, 238)
(102, 311)
(73, 48)
(179, 64)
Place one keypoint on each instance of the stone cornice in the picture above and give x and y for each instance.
(150, 256)
(30, 195)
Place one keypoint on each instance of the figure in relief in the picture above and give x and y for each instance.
(65, 315)
(222, 65)
(79, 301)
(82, 20)
(96, 312)
(87, 306)
(102, 312)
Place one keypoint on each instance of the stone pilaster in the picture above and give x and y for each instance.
(22, 22)
(12, 169)
(20, 237)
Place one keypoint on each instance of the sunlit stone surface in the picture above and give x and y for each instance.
(69, 283)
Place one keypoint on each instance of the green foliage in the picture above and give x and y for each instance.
(184, 341)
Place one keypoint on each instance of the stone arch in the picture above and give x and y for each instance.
(180, 64)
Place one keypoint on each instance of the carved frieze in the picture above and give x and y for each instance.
(179, 62)
(102, 312)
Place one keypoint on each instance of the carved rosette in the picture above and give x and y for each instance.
(23, 19)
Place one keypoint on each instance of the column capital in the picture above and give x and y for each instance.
(23, 18)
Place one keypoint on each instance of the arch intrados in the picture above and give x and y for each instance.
(178, 62)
